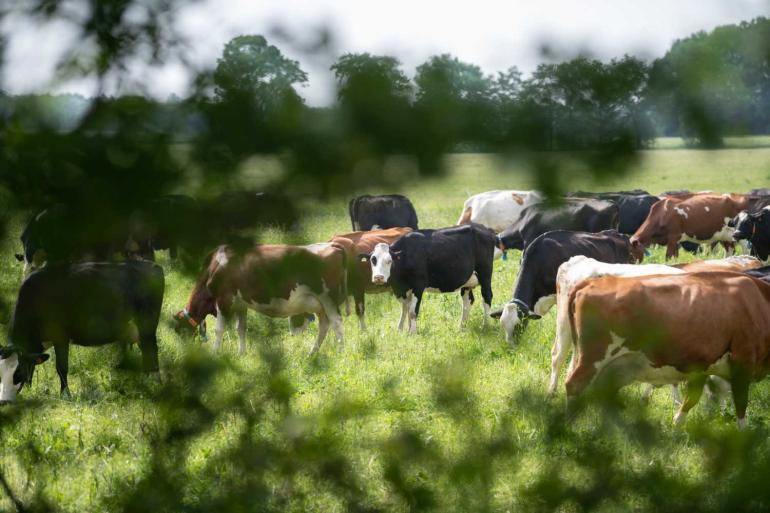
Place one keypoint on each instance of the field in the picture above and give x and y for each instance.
(450, 419)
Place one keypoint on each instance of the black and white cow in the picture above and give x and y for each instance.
(575, 214)
(88, 304)
(380, 212)
(634, 206)
(443, 260)
(535, 290)
(754, 229)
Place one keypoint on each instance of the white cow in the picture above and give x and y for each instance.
(497, 209)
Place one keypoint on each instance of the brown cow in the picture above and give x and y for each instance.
(359, 271)
(734, 263)
(275, 280)
(669, 328)
(702, 218)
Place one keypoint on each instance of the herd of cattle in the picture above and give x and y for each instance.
(701, 323)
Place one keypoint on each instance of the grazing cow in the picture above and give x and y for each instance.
(497, 210)
(379, 212)
(359, 270)
(580, 268)
(275, 280)
(634, 206)
(667, 329)
(446, 260)
(579, 215)
(63, 233)
(88, 304)
(535, 290)
(702, 218)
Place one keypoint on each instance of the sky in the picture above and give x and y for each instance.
(493, 34)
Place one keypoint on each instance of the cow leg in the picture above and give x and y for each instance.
(676, 396)
(466, 301)
(240, 326)
(172, 252)
(62, 366)
(405, 301)
(414, 310)
(323, 327)
(739, 382)
(647, 392)
(219, 330)
(559, 352)
(693, 391)
(334, 317)
(672, 248)
(729, 248)
(485, 280)
(359, 300)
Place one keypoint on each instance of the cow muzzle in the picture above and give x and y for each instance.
(378, 279)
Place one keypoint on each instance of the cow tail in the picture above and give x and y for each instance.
(343, 290)
(572, 327)
(351, 211)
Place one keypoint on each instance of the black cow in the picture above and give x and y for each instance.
(575, 214)
(535, 290)
(88, 304)
(633, 206)
(388, 211)
(760, 192)
(755, 229)
(448, 260)
(64, 233)
(168, 222)
(241, 210)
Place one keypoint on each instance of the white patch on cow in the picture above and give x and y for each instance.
(301, 300)
(544, 304)
(317, 247)
(466, 300)
(8, 391)
(707, 209)
(381, 261)
(508, 320)
(724, 234)
(472, 282)
(221, 257)
(499, 209)
(376, 227)
(413, 315)
(681, 212)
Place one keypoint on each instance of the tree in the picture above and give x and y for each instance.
(252, 68)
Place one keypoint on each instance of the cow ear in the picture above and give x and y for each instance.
(19, 257)
(364, 257)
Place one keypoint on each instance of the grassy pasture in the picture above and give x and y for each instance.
(81, 453)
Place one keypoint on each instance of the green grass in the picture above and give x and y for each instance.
(460, 389)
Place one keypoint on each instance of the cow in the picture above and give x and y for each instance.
(497, 210)
(359, 271)
(165, 223)
(580, 268)
(703, 218)
(754, 228)
(443, 260)
(668, 329)
(380, 212)
(275, 280)
(575, 214)
(633, 206)
(760, 192)
(87, 304)
(535, 290)
(64, 233)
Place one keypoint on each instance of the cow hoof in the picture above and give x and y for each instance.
(65, 394)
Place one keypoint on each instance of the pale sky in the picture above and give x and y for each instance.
(493, 34)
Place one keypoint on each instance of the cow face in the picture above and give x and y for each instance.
(16, 369)
(637, 252)
(185, 325)
(381, 261)
(745, 224)
(514, 319)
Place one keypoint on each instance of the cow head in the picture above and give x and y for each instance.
(381, 260)
(186, 325)
(637, 251)
(514, 318)
(16, 369)
(746, 224)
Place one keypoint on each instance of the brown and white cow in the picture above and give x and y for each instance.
(359, 271)
(665, 329)
(275, 280)
(702, 218)
(497, 210)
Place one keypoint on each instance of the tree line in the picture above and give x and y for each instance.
(706, 86)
